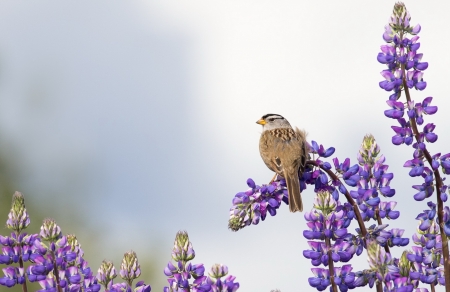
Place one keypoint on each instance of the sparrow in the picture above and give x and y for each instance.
(284, 151)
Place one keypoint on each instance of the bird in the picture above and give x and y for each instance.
(284, 151)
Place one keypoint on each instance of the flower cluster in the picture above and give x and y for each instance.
(185, 276)
(129, 271)
(55, 260)
(332, 243)
(253, 205)
(405, 66)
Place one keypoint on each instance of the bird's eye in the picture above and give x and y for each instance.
(271, 120)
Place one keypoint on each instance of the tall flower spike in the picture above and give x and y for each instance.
(130, 268)
(106, 274)
(182, 248)
(18, 218)
(50, 231)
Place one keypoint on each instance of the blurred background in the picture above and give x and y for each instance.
(127, 121)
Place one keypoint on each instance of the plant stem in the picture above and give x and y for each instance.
(24, 285)
(330, 265)
(55, 271)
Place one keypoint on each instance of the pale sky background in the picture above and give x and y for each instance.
(137, 118)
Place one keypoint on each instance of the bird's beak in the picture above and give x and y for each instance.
(261, 122)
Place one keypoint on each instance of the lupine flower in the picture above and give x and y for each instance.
(400, 267)
(185, 276)
(18, 218)
(321, 280)
(254, 204)
(130, 268)
(50, 231)
(13, 276)
(218, 271)
(106, 274)
(344, 277)
(399, 285)
(379, 260)
(403, 133)
(182, 248)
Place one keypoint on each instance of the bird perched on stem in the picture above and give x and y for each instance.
(284, 151)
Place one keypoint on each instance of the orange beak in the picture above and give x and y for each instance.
(261, 122)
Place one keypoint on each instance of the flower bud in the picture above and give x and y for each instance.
(130, 268)
(18, 218)
(182, 248)
(106, 274)
(324, 202)
(218, 271)
(50, 231)
(369, 151)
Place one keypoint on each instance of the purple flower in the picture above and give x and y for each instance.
(321, 280)
(185, 276)
(13, 276)
(403, 133)
(445, 163)
(416, 165)
(320, 150)
(253, 205)
(396, 111)
(344, 277)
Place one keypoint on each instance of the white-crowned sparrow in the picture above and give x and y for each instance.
(284, 151)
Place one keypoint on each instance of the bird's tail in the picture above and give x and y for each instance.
(295, 198)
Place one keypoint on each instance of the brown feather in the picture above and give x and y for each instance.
(295, 198)
(284, 151)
